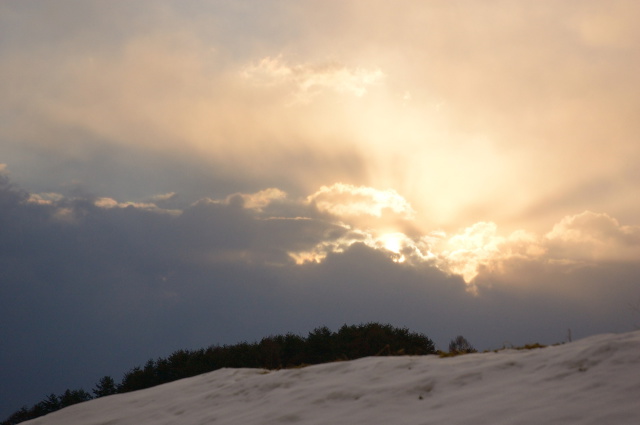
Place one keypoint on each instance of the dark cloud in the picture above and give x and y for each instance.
(89, 290)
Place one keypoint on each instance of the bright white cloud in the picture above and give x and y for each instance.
(399, 247)
(463, 253)
(585, 238)
(345, 200)
(582, 237)
(575, 239)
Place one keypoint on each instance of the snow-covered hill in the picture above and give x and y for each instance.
(592, 381)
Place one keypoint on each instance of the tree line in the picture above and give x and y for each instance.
(273, 352)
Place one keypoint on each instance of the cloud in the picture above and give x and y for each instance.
(593, 236)
(584, 239)
(163, 197)
(346, 200)
(309, 80)
(463, 253)
(112, 203)
(261, 199)
(297, 164)
(270, 226)
(45, 198)
(609, 27)
(177, 88)
(375, 218)
(158, 102)
(132, 282)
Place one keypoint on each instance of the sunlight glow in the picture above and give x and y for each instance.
(392, 241)
(348, 200)
(309, 79)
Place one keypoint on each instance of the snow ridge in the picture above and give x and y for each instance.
(591, 381)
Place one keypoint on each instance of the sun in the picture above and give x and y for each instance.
(393, 242)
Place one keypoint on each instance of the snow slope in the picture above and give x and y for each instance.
(592, 381)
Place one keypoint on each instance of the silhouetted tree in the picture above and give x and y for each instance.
(106, 386)
(321, 345)
(24, 414)
(70, 397)
(133, 380)
(459, 345)
(50, 404)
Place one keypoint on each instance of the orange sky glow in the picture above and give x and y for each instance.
(489, 127)
(177, 173)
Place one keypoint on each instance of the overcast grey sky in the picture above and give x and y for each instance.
(177, 174)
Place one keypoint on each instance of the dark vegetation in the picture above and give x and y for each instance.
(273, 352)
(458, 345)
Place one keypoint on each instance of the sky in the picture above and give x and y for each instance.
(177, 174)
(588, 382)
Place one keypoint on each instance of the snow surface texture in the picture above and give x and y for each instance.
(592, 381)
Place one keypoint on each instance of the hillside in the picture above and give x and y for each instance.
(591, 381)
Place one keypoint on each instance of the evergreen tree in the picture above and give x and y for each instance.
(70, 397)
(50, 404)
(24, 414)
(106, 386)
(321, 345)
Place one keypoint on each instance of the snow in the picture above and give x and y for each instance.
(591, 381)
